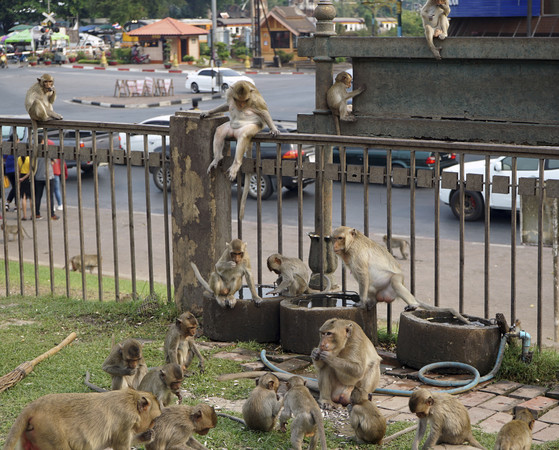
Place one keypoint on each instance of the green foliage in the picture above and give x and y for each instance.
(411, 25)
(543, 368)
(205, 49)
(81, 55)
(187, 58)
(222, 51)
(285, 57)
(123, 54)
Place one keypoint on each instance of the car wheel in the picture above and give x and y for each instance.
(194, 88)
(86, 169)
(473, 205)
(159, 179)
(224, 87)
(266, 188)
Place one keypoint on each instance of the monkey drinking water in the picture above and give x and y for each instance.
(379, 275)
(434, 15)
(227, 278)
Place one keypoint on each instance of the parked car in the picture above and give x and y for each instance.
(474, 202)
(206, 80)
(268, 183)
(86, 141)
(424, 159)
(137, 140)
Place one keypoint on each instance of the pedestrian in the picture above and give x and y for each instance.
(10, 173)
(24, 183)
(43, 173)
(57, 174)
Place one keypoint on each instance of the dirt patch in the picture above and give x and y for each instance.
(15, 322)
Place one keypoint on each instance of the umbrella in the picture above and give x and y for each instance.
(21, 36)
(20, 27)
(59, 36)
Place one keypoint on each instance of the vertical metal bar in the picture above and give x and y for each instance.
(239, 189)
(4, 233)
(343, 203)
(131, 215)
(64, 209)
(78, 159)
(166, 169)
(50, 208)
(388, 225)
(34, 154)
(300, 244)
(487, 244)
(279, 184)
(412, 179)
(19, 206)
(365, 188)
(541, 192)
(437, 257)
(513, 224)
(461, 241)
(113, 215)
(97, 216)
(259, 214)
(149, 227)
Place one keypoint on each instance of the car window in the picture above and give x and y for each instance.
(205, 73)
(552, 164)
(229, 73)
(521, 163)
(7, 131)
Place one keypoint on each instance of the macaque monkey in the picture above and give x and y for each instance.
(400, 243)
(337, 97)
(434, 15)
(307, 417)
(293, 277)
(164, 382)
(39, 99)
(379, 275)
(89, 262)
(449, 419)
(13, 231)
(126, 365)
(180, 347)
(366, 419)
(248, 114)
(345, 358)
(114, 419)
(263, 405)
(516, 434)
(227, 278)
(175, 427)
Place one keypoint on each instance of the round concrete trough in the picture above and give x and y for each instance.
(426, 337)
(246, 321)
(301, 318)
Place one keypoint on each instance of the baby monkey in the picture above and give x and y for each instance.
(14, 230)
(263, 405)
(337, 97)
(449, 420)
(516, 434)
(396, 242)
(365, 418)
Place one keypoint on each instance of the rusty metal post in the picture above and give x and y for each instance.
(200, 205)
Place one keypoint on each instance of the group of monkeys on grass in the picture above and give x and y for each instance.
(141, 408)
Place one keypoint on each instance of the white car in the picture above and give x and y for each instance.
(137, 140)
(502, 166)
(206, 79)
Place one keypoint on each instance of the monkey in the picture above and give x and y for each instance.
(263, 405)
(114, 419)
(180, 347)
(248, 114)
(307, 417)
(449, 419)
(401, 243)
(227, 278)
(175, 427)
(434, 15)
(378, 273)
(293, 277)
(13, 231)
(126, 365)
(163, 382)
(366, 419)
(516, 434)
(344, 358)
(40, 98)
(337, 97)
(89, 262)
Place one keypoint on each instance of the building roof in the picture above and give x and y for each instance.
(168, 27)
(293, 19)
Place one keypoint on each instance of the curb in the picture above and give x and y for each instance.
(147, 105)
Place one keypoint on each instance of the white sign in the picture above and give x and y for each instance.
(50, 17)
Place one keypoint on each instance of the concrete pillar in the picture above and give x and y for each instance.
(200, 205)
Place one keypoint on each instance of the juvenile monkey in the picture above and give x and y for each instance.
(180, 347)
(345, 358)
(114, 419)
(449, 419)
(89, 262)
(293, 275)
(263, 405)
(396, 242)
(175, 427)
(337, 97)
(516, 434)
(227, 278)
(434, 15)
(164, 382)
(365, 418)
(379, 275)
(126, 365)
(13, 231)
(307, 417)
(248, 113)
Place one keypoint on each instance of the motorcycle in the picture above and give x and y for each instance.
(3, 61)
(140, 59)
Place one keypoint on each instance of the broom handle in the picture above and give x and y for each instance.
(53, 350)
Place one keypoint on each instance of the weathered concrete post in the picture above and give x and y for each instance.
(322, 254)
(200, 205)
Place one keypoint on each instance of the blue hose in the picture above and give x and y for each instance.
(463, 385)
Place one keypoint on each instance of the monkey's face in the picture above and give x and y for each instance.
(175, 386)
(132, 363)
(47, 84)
(347, 80)
(237, 257)
(241, 104)
(339, 243)
(191, 331)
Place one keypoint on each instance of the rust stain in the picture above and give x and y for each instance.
(192, 186)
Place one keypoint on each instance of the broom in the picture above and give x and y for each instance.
(24, 369)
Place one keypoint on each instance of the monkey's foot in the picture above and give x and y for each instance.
(349, 118)
(213, 164)
(411, 307)
(232, 171)
(257, 301)
(327, 405)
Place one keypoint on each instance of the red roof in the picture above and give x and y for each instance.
(168, 27)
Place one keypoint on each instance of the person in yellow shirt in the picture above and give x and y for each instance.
(24, 183)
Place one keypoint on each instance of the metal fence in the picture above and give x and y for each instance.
(110, 213)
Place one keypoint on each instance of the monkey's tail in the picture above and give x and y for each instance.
(17, 432)
(325, 290)
(203, 282)
(244, 197)
(26, 233)
(91, 385)
(236, 419)
(317, 416)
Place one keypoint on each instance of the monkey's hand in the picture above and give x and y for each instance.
(204, 115)
(283, 427)
(146, 437)
(129, 371)
(201, 366)
(274, 131)
(315, 354)
(257, 300)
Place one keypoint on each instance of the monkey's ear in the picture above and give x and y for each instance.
(370, 396)
(430, 401)
(257, 381)
(304, 382)
(270, 385)
(178, 322)
(195, 416)
(143, 404)
(162, 375)
(349, 330)
(39, 80)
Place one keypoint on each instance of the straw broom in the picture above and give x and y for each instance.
(24, 369)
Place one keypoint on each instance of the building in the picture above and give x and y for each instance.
(350, 24)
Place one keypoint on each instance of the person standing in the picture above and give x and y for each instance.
(24, 183)
(41, 177)
(57, 174)
(10, 172)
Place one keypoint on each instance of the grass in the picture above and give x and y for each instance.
(30, 326)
